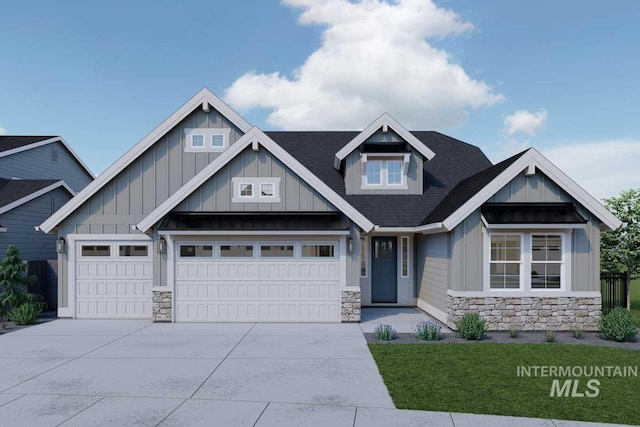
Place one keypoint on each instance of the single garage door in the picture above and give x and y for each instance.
(293, 281)
(113, 280)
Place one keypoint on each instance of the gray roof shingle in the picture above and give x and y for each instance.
(12, 190)
(9, 142)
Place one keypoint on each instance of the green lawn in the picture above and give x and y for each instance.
(482, 379)
(635, 299)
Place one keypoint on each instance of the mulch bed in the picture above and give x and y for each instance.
(503, 337)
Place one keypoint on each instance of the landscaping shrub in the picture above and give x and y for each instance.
(384, 332)
(14, 282)
(577, 333)
(471, 326)
(26, 314)
(549, 335)
(428, 330)
(514, 331)
(617, 325)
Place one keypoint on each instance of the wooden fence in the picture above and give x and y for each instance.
(613, 287)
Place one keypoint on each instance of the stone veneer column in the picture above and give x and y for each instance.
(528, 313)
(162, 306)
(350, 306)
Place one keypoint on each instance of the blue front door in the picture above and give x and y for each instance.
(384, 270)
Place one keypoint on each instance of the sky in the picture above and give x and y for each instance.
(560, 76)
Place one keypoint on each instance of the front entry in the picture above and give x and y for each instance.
(384, 270)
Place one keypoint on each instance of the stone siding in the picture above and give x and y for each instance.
(351, 303)
(528, 313)
(162, 306)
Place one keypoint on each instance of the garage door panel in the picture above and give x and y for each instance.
(249, 311)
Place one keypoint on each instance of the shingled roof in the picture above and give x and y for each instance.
(9, 142)
(454, 162)
(12, 190)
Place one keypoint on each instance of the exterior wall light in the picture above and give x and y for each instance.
(350, 245)
(162, 245)
(60, 245)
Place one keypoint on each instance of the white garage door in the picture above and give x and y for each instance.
(294, 281)
(113, 279)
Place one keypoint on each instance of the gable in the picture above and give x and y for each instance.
(217, 194)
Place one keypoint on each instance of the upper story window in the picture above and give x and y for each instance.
(209, 140)
(388, 172)
(256, 190)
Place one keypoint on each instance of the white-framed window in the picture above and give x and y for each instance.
(364, 254)
(388, 172)
(196, 251)
(404, 256)
(206, 140)
(276, 251)
(133, 250)
(528, 261)
(317, 251)
(256, 190)
(95, 250)
(236, 251)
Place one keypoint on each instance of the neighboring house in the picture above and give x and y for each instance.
(38, 175)
(210, 219)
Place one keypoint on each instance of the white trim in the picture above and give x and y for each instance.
(431, 310)
(402, 238)
(342, 247)
(171, 275)
(65, 312)
(256, 190)
(530, 157)
(534, 226)
(3, 229)
(364, 256)
(207, 139)
(49, 141)
(35, 195)
(255, 134)
(254, 233)
(112, 171)
(384, 121)
(539, 294)
(384, 173)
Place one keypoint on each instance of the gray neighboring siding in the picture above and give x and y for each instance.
(466, 254)
(38, 163)
(216, 194)
(148, 181)
(353, 174)
(432, 269)
(21, 222)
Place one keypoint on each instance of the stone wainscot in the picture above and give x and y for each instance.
(528, 313)
(350, 306)
(161, 308)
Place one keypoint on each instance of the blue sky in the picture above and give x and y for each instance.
(561, 76)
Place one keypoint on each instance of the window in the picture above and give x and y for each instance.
(256, 190)
(405, 256)
(276, 251)
(133, 250)
(197, 141)
(506, 259)
(196, 251)
(363, 257)
(317, 251)
(217, 140)
(546, 261)
(266, 190)
(394, 172)
(206, 140)
(374, 172)
(236, 251)
(96, 250)
(246, 190)
(383, 173)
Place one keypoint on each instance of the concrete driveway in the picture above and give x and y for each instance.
(99, 372)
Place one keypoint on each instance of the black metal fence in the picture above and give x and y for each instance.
(613, 287)
(47, 283)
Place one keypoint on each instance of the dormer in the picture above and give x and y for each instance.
(384, 158)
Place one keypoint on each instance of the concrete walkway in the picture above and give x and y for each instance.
(403, 319)
(104, 373)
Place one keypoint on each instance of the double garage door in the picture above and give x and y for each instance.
(214, 281)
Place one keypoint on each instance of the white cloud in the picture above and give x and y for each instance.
(3, 131)
(524, 121)
(374, 57)
(604, 169)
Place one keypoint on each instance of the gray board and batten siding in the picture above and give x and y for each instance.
(432, 269)
(466, 240)
(50, 161)
(353, 169)
(33, 245)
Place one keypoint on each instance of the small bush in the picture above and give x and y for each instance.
(617, 325)
(577, 333)
(549, 335)
(514, 331)
(471, 326)
(26, 314)
(429, 331)
(384, 332)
